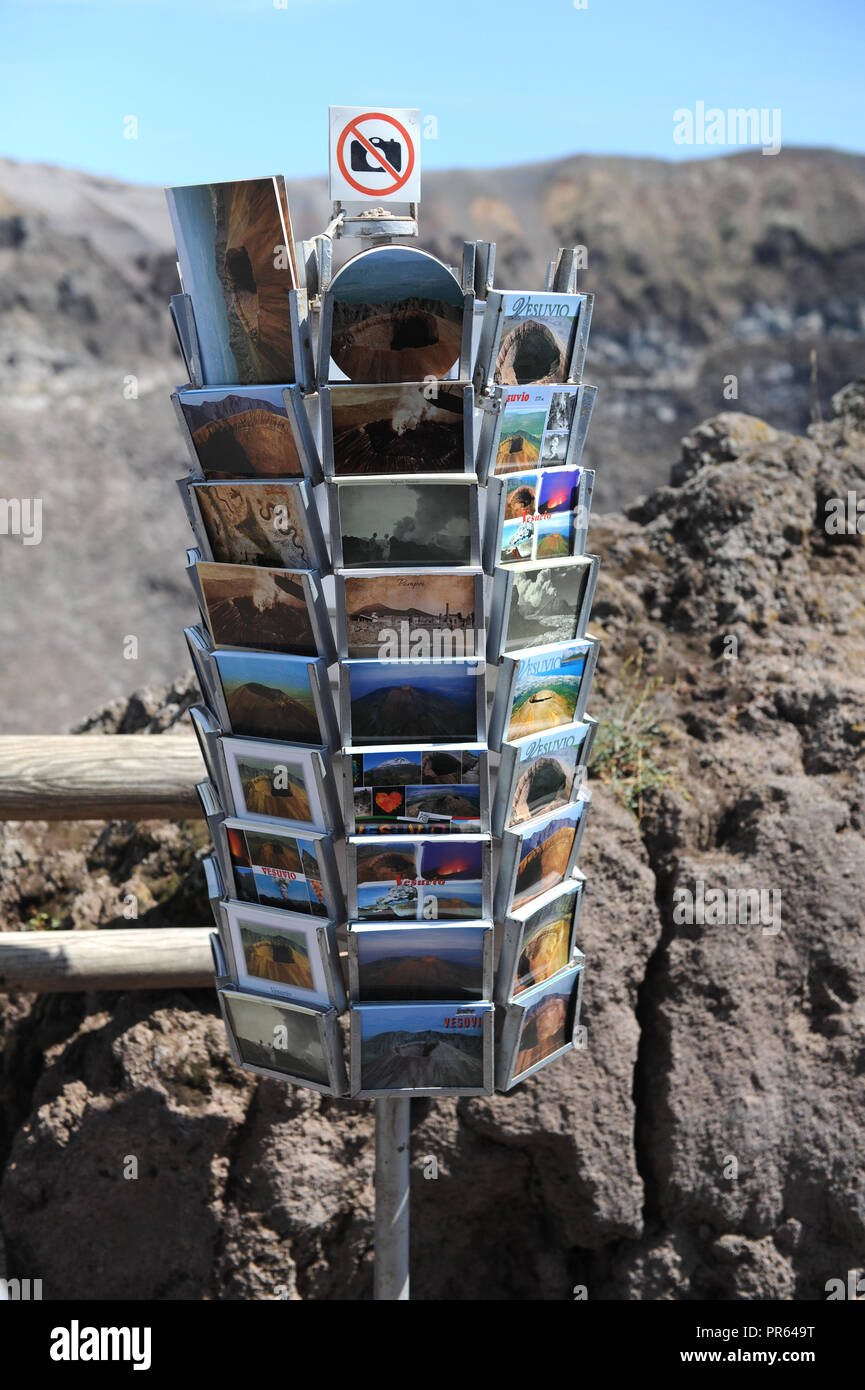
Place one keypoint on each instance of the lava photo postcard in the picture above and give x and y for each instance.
(235, 432)
(538, 940)
(538, 855)
(413, 427)
(271, 524)
(284, 954)
(541, 773)
(421, 1049)
(418, 702)
(290, 1042)
(227, 235)
(539, 690)
(393, 314)
(281, 783)
(407, 523)
(426, 615)
(427, 963)
(540, 1027)
(420, 879)
(417, 790)
(536, 515)
(296, 872)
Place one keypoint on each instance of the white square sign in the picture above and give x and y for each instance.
(374, 154)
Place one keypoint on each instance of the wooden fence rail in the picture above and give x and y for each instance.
(99, 777)
(51, 962)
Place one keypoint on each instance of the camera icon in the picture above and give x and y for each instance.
(359, 155)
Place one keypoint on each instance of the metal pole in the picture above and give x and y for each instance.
(391, 1198)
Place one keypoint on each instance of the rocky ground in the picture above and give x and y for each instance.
(705, 1143)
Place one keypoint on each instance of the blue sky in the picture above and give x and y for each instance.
(234, 88)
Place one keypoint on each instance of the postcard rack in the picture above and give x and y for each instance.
(386, 518)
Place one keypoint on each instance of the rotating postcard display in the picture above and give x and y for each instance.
(447, 547)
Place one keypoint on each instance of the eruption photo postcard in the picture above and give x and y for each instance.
(524, 427)
(428, 963)
(540, 1027)
(421, 615)
(422, 1049)
(433, 788)
(271, 696)
(541, 773)
(295, 872)
(540, 604)
(530, 339)
(413, 702)
(394, 314)
(299, 1043)
(258, 522)
(407, 523)
(539, 855)
(537, 515)
(280, 783)
(265, 610)
(247, 432)
(542, 688)
(539, 940)
(412, 427)
(284, 955)
(421, 879)
(244, 293)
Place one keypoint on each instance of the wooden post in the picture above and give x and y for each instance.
(100, 777)
(52, 962)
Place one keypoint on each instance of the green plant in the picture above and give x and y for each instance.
(627, 743)
(42, 921)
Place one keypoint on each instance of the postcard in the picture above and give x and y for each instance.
(430, 615)
(243, 432)
(541, 689)
(541, 1026)
(538, 855)
(414, 427)
(265, 609)
(292, 1042)
(283, 953)
(536, 514)
(280, 783)
(260, 523)
(393, 313)
(400, 878)
(423, 1049)
(296, 873)
(276, 696)
(530, 339)
(539, 940)
(542, 426)
(419, 702)
(418, 790)
(406, 523)
(235, 255)
(420, 963)
(541, 603)
(541, 773)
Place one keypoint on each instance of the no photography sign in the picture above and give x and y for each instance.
(374, 154)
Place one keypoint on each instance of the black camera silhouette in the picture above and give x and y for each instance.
(359, 155)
